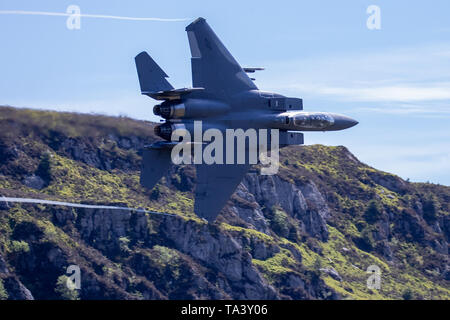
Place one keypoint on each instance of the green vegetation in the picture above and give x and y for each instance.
(249, 233)
(279, 221)
(19, 247)
(165, 256)
(64, 291)
(373, 212)
(166, 263)
(124, 244)
(281, 263)
(44, 169)
(407, 294)
(3, 293)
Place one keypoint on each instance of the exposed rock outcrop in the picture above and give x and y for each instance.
(303, 202)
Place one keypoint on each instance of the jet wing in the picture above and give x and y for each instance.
(173, 94)
(215, 184)
(213, 67)
(152, 80)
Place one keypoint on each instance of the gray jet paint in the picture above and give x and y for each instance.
(222, 97)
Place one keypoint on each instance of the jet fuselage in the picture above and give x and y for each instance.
(258, 110)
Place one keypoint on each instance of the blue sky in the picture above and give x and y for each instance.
(395, 81)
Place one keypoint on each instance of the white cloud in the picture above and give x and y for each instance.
(408, 110)
(400, 80)
(394, 93)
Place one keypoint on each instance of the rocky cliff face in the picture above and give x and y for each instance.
(272, 191)
(309, 232)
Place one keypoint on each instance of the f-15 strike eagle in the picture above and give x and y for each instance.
(224, 98)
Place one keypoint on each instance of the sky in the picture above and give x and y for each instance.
(394, 80)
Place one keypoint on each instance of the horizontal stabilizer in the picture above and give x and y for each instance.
(151, 77)
(173, 94)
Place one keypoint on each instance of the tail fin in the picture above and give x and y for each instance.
(151, 77)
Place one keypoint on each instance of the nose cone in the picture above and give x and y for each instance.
(342, 122)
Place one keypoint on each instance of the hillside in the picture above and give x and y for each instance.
(309, 232)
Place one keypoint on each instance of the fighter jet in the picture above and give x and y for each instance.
(223, 97)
